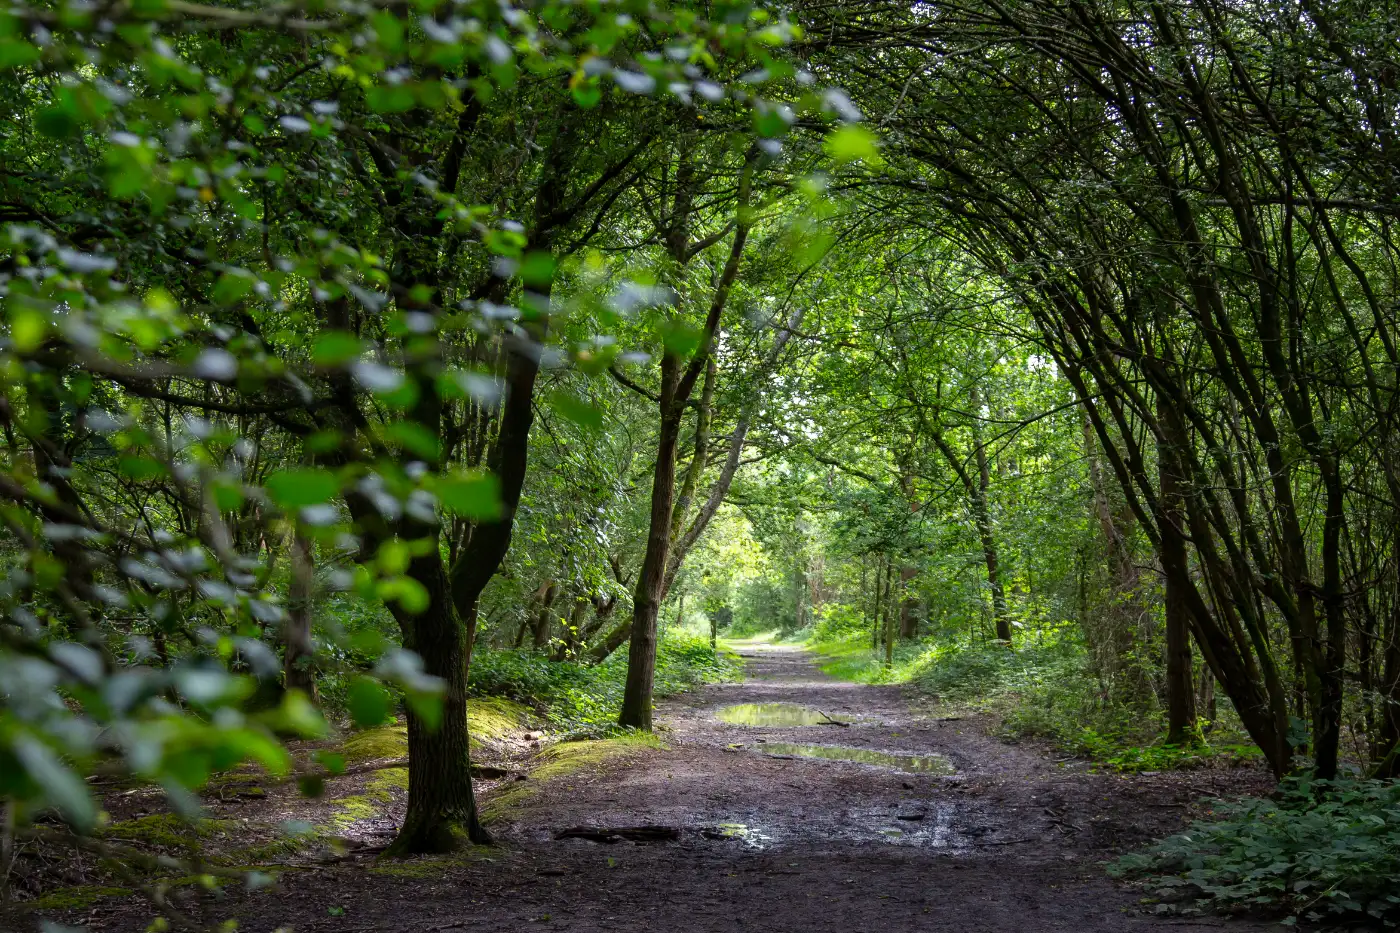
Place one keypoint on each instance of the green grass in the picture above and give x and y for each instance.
(1042, 690)
(853, 660)
(564, 760)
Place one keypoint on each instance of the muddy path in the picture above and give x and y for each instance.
(1010, 841)
(972, 834)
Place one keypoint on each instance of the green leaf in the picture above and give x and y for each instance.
(414, 438)
(852, 143)
(474, 495)
(16, 53)
(390, 31)
(28, 326)
(335, 348)
(587, 92)
(62, 787)
(232, 287)
(411, 595)
(680, 339)
(537, 270)
(368, 702)
(141, 469)
(57, 121)
(390, 98)
(298, 488)
(574, 409)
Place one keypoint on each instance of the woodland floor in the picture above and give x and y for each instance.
(1013, 841)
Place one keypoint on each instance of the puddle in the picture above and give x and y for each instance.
(774, 714)
(917, 764)
(739, 832)
(931, 828)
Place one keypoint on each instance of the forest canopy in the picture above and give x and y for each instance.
(359, 358)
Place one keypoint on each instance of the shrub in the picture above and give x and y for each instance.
(836, 621)
(1319, 850)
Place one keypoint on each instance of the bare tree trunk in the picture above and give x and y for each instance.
(977, 493)
(888, 610)
(876, 618)
(646, 601)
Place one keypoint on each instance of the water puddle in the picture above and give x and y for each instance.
(738, 832)
(775, 714)
(915, 764)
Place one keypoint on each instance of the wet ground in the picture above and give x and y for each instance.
(754, 820)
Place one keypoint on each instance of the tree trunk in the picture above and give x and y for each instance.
(677, 385)
(646, 601)
(876, 615)
(441, 805)
(908, 603)
(611, 642)
(298, 659)
(1181, 712)
(888, 610)
(977, 493)
(543, 616)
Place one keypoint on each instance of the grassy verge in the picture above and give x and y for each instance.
(1042, 690)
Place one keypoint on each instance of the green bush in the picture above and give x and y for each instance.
(581, 699)
(838, 621)
(1318, 851)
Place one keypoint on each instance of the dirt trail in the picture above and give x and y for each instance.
(1010, 842)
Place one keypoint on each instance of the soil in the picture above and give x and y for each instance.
(1013, 840)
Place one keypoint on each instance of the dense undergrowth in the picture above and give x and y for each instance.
(1319, 851)
(1042, 689)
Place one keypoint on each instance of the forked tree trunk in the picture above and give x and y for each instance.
(677, 385)
(646, 601)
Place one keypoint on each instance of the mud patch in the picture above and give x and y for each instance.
(914, 764)
(776, 715)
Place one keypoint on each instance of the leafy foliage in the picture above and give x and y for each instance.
(1316, 851)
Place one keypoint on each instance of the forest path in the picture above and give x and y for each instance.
(1011, 842)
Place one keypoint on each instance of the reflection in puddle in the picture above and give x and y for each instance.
(773, 714)
(740, 832)
(920, 764)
